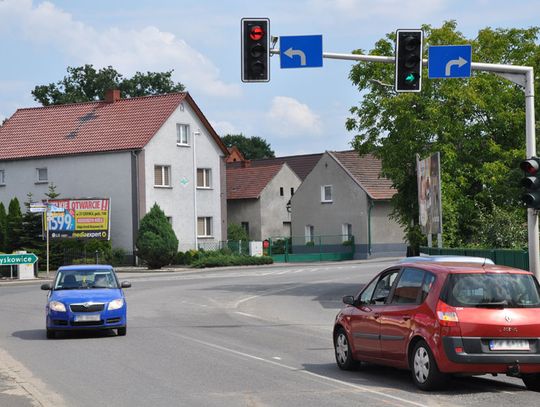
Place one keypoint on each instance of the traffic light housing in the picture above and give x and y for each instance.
(255, 49)
(408, 60)
(531, 182)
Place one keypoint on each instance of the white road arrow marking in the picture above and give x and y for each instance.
(296, 52)
(459, 62)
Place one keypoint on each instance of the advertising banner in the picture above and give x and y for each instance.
(429, 194)
(79, 218)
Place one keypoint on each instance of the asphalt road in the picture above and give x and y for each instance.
(232, 337)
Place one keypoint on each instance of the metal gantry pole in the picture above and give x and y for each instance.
(522, 76)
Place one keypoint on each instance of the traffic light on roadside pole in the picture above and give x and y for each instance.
(531, 182)
(408, 60)
(255, 50)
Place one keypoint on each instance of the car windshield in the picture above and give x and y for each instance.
(493, 290)
(85, 279)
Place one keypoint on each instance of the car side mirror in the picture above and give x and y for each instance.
(348, 299)
(46, 287)
(125, 284)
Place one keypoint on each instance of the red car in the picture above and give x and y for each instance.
(440, 318)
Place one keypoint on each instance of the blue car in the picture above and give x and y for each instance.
(86, 297)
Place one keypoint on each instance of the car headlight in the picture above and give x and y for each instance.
(57, 306)
(116, 304)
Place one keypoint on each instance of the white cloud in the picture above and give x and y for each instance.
(224, 127)
(127, 50)
(288, 117)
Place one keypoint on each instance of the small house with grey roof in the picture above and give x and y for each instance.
(344, 195)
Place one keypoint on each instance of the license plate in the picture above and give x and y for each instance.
(87, 318)
(508, 344)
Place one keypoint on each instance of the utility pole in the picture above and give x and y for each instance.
(520, 75)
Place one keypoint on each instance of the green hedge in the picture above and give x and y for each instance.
(222, 260)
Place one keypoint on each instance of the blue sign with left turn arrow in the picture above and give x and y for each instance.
(301, 51)
(449, 61)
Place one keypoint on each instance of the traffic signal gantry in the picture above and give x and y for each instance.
(531, 182)
(408, 76)
(256, 68)
(255, 49)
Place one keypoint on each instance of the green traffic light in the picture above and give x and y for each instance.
(410, 78)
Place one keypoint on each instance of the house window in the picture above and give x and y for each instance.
(182, 134)
(326, 193)
(41, 175)
(204, 227)
(169, 219)
(245, 226)
(204, 178)
(162, 176)
(292, 191)
(281, 191)
(310, 233)
(346, 232)
(2, 177)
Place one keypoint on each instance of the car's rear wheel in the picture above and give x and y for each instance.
(343, 352)
(122, 331)
(531, 381)
(51, 334)
(425, 373)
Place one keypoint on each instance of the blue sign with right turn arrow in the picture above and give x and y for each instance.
(449, 61)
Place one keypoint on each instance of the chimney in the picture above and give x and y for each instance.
(112, 95)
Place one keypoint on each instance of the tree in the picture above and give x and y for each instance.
(156, 243)
(85, 83)
(14, 226)
(476, 124)
(31, 237)
(3, 227)
(253, 148)
(236, 232)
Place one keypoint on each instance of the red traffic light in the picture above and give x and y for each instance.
(256, 33)
(530, 166)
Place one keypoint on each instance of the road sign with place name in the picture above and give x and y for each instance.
(36, 207)
(301, 51)
(16, 259)
(449, 61)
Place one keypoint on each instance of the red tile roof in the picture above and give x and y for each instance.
(245, 183)
(366, 170)
(90, 127)
(300, 164)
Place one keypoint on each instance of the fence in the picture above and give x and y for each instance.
(504, 257)
(318, 248)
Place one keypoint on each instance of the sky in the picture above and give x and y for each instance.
(300, 111)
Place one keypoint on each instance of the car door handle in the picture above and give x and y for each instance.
(406, 317)
(376, 315)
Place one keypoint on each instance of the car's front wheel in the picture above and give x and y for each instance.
(425, 373)
(531, 381)
(343, 351)
(122, 331)
(51, 334)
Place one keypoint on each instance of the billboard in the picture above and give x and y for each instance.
(429, 193)
(87, 218)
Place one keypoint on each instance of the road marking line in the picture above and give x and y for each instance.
(299, 370)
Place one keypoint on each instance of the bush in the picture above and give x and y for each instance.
(157, 244)
(236, 232)
(223, 260)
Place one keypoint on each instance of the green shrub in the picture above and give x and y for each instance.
(157, 244)
(236, 232)
(223, 260)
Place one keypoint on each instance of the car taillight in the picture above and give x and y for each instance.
(446, 314)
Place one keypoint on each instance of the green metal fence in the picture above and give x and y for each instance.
(505, 257)
(318, 248)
